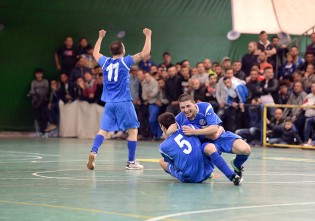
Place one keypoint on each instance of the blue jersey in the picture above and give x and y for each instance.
(116, 78)
(185, 158)
(205, 117)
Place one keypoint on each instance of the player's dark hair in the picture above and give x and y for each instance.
(274, 37)
(166, 119)
(185, 97)
(116, 48)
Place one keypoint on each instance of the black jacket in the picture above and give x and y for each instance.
(272, 88)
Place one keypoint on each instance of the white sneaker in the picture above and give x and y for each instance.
(91, 161)
(135, 165)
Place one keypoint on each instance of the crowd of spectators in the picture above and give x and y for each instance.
(269, 73)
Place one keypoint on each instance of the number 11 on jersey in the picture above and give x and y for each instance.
(112, 68)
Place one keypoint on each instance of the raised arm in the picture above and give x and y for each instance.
(146, 48)
(97, 47)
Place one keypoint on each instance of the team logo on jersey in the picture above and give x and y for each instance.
(202, 122)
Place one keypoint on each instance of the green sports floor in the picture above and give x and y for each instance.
(47, 179)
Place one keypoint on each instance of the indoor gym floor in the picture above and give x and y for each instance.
(47, 179)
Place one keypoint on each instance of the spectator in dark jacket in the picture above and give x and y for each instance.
(288, 133)
(66, 93)
(173, 89)
(269, 85)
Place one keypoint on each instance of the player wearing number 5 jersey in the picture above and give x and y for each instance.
(182, 155)
(119, 112)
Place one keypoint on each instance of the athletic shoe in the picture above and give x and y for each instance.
(134, 165)
(91, 161)
(237, 180)
(238, 171)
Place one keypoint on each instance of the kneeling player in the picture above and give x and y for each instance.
(182, 155)
(218, 140)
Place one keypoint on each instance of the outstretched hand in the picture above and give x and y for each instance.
(147, 31)
(102, 33)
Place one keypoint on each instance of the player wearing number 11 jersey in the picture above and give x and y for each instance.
(119, 112)
(183, 157)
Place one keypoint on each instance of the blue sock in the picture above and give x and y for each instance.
(132, 146)
(219, 162)
(98, 140)
(240, 160)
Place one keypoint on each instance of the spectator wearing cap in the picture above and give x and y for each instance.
(226, 63)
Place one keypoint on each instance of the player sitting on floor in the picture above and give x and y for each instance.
(214, 138)
(182, 155)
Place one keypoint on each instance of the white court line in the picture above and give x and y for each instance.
(9, 151)
(32, 157)
(38, 174)
(227, 209)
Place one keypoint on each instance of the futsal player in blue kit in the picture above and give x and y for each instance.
(119, 112)
(182, 154)
(215, 139)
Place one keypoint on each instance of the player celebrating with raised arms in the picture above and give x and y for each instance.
(182, 155)
(119, 112)
(215, 139)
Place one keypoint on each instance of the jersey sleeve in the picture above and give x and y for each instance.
(165, 154)
(128, 61)
(211, 117)
(102, 60)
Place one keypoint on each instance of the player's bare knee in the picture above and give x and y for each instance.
(103, 133)
(240, 147)
(132, 134)
(210, 149)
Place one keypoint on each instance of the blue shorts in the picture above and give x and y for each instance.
(202, 175)
(119, 116)
(224, 143)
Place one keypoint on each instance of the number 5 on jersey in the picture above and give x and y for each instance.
(181, 143)
(112, 68)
